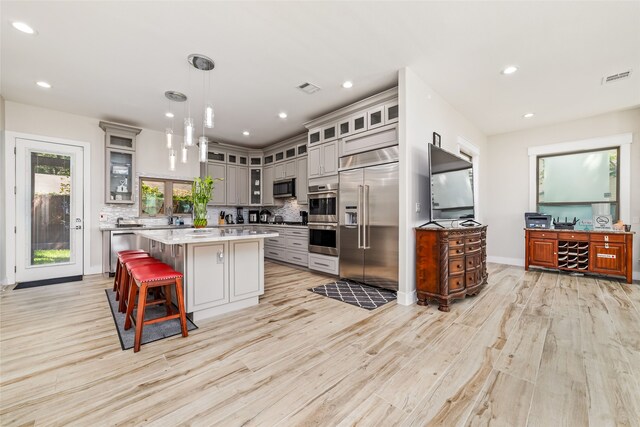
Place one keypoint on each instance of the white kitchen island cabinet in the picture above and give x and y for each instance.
(223, 268)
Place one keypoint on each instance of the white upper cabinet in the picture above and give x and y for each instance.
(219, 192)
(242, 186)
(375, 117)
(329, 133)
(315, 136)
(391, 113)
(302, 181)
(359, 122)
(323, 160)
(267, 186)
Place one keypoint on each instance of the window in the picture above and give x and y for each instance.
(574, 184)
(165, 197)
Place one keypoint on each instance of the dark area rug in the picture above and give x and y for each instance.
(150, 333)
(362, 296)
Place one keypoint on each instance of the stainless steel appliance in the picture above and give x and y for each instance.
(323, 203)
(239, 216)
(264, 216)
(122, 241)
(323, 238)
(254, 217)
(285, 188)
(228, 218)
(278, 219)
(304, 215)
(369, 218)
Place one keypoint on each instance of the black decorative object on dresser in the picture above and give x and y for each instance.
(451, 263)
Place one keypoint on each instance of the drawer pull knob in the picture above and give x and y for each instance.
(459, 266)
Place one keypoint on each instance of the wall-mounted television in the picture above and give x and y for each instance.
(451, 186)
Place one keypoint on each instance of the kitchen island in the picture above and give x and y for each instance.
(223, 268)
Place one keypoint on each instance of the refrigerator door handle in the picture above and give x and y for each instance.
(358, 213)
(365, 220)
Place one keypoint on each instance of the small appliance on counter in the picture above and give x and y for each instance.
(221, 219)
(305, 217)
(254, 217)
(228, 218)
(278, 219)
(537, 220)
(264, 216)
(566, 225)
(239, 217)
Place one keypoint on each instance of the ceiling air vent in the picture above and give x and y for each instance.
(308, 88)
(616, 77)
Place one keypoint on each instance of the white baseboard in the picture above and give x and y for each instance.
(407, 298)
(504, 260)
(94, 269)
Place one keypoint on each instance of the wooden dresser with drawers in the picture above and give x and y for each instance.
(450, 263)
(599, 252)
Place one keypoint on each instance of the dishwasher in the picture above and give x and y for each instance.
(122, 241)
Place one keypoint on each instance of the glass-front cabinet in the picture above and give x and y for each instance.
(120, 150)
(120, 176)
(255, 186)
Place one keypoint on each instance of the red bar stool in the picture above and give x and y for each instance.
(127, 265)
(148, 277)
(119, 271)
(121, 253)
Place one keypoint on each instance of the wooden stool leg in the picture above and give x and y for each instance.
(183, 315)
(131, 303)
(123, 287)
(167, 299)
(115, 278)
(142, 301)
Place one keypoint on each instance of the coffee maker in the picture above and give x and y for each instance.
(264, 216)
(239, 217)
(305, 217)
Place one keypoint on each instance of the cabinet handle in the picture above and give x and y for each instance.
(324, 265)
(459, 266)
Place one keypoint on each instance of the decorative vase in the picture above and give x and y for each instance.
(199, 215)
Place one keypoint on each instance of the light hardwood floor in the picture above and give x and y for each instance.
(533, 348)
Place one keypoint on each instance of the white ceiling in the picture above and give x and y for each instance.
(115, 60)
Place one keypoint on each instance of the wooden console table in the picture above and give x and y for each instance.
(599, 252)
(450, 263)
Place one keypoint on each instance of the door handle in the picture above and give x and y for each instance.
(78, 227)
(358, 215)
(365, 225)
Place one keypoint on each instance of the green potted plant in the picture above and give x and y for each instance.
(202, 191)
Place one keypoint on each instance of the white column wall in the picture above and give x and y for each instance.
(422, 112)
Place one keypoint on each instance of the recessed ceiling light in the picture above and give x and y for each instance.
(246, 133)
(44, 84)
(21, 26)
(347, 85)
(169, 115)
(282, 115)
(510, 69)
(528, 115)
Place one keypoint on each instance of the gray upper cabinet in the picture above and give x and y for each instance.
(391, 113)
(120, 157)
(217, 156)
(267, 192)
(375, 117)
(302, 181)
(279, 156)
(323, 160)
(315, 136)
(255, 186)
(256, 160)
(268, 159)
(242, 177)
(243, 160)
(329, 133)
(345, 127)
(290, 153)
(359, 123)
(231, 182)
(302, 149)
(219, 191)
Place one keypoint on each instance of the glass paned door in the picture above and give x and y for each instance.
(49, 210)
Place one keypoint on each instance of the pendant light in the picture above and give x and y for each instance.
(203, 142)
(184, 154)
(169, 134)
(172, 160)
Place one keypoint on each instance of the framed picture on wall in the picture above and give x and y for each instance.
(436, 139)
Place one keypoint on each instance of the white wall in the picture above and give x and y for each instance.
(151, 156)
(3, 274)
(422, 112)
(507, 197)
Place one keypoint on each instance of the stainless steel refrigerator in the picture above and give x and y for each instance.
(368, 219)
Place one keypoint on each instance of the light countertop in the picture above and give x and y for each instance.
(112, 227)
(202, 235)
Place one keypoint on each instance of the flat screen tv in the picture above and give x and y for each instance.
(451, 186)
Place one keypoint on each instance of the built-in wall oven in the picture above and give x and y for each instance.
(323, 219)
(323, 203)
(323, 238)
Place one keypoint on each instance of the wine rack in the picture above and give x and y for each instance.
(573, 255)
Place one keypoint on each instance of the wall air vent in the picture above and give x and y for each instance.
(308, 88)
(616, 77)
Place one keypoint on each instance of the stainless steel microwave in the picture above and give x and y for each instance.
(284, 189)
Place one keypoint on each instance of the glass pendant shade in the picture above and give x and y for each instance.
(188, 132)
(184, 154)
(169, 134)
(172, 160)
(208, 116)
(203, 141)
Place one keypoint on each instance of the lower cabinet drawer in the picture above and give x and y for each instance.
(456, 250)
(274, 253)
(603, 237)
(471, 278)
(299, 258)
(584, 237)
(472, 261)
(456, 265)
(275, 241)
(456, 283)
(324, 263)
(297, 232)
(297, 243)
